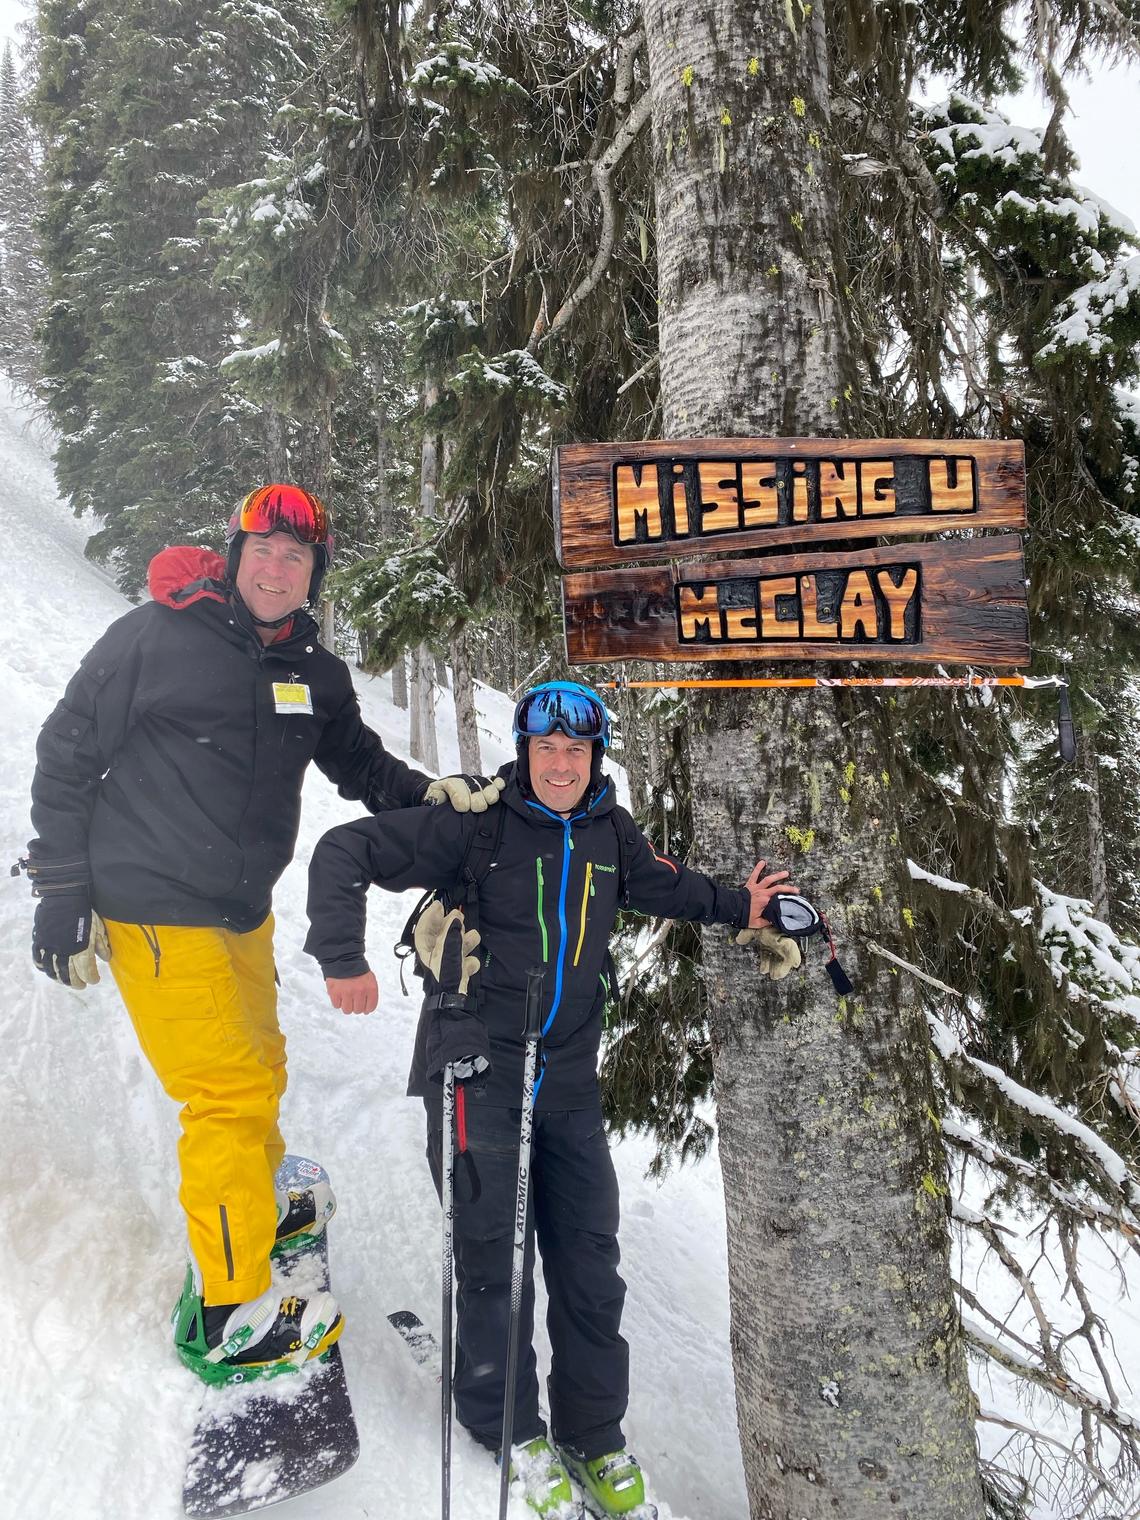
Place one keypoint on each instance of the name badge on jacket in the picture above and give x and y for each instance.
(292, 697)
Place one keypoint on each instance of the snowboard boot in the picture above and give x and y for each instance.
(546, 1488)
(302, 1214)
(611, 1485)
(232, 1343)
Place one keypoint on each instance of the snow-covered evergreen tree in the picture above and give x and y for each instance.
(21, 267)
(145, 107)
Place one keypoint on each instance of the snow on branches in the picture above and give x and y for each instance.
(1047, 1205)
(454, 70)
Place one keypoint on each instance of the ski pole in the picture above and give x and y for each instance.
(532, 1035)
(447, 1193)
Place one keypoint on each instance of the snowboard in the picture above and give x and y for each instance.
(427, 1354)
(267, 1439)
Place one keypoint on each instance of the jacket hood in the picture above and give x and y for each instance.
(184, 574)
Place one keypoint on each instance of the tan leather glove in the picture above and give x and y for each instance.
(777, 955)
(429, 938)
(456, 1036)
(83, 968)
(467, 794)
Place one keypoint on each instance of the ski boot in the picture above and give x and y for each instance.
(611, 1485)
(302, 1214)
(546, 1488)
(232, 1343)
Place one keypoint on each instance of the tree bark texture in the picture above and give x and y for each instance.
(400, 682)
(328, 623)
(387, 518)
(422, 740)
(466, 718)
(1088, 765)
(852, 1393)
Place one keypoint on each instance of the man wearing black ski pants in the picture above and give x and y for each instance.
(547, 891)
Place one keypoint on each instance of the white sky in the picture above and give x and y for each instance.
(1104, 125)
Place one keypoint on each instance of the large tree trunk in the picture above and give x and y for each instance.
(466, 718)
(387, 517)
(852, 1394)
(327, 613)
(400, 681)
(1088, 765)
(422, 739)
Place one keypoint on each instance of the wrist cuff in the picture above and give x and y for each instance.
(346, 966)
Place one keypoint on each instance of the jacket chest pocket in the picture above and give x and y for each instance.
(592, 924)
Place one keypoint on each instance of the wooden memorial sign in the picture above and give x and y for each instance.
(961, 601)
(617, 502)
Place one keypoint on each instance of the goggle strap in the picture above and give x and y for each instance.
(839, 978)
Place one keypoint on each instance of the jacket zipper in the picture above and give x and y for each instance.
(541, 916)
(587, 893)
(567, 846)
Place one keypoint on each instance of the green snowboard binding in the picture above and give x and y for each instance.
(232, 1343)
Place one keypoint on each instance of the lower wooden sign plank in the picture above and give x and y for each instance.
(960, 601)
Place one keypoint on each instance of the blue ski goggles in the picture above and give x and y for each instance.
(563, 705)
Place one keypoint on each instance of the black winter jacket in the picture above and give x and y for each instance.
(175, 770)
(550, 899)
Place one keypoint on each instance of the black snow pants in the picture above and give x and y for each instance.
(574, 1212)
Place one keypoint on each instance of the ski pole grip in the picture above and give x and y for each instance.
(532, 1029)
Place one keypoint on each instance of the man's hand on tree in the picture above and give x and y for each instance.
(466, 794)
(761, 888)
(353, 994)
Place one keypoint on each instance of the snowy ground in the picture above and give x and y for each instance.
(96, 1411)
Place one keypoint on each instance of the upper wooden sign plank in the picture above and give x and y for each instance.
(617, 502)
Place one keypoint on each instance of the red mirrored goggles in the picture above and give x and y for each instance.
(285, 509)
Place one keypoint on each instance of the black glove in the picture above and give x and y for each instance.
(62, 931)
(456, 1035)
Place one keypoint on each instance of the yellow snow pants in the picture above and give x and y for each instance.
(204, 1006)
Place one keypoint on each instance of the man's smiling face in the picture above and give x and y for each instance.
(273, 575)
(559, 770)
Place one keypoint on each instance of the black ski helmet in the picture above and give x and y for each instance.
(282, 508)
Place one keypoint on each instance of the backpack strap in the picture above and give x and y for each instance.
(628, 835)
(479, 856)
(481, 853)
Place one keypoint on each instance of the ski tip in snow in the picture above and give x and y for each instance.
(425, 1349)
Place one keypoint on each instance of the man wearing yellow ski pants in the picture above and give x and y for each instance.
(204, 1006)
(166, 802)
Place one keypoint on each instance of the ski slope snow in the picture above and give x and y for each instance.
(96, 1410)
